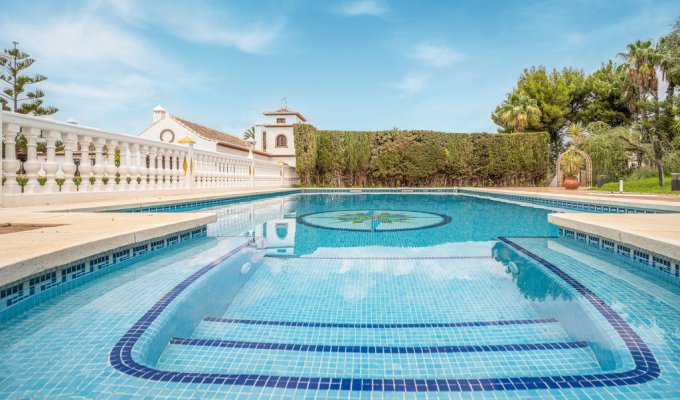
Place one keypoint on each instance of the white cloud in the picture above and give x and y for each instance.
(435, 55)
(199, 22)
(410, 84)
(363, 7)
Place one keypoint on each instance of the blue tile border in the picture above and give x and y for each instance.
(656, 264)
(646, 366)
(17, 297)
(445, 220)
(382, 326)
(568, 204)
(187, 205)
(233, 344)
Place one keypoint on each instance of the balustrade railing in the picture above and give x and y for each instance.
(79, 159)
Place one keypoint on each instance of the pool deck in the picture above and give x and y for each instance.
(78, 232)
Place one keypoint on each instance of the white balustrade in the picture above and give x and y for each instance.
(144, 165)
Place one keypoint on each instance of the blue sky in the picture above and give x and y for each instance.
(364, 64)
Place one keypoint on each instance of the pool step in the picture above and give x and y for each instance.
(192, 355)
(394, 334)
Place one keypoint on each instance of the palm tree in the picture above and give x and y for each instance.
(669, 51)
(642, 59)
(575, 131)
(249, 133)
(516, 112)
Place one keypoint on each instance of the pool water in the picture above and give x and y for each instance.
(357, 296)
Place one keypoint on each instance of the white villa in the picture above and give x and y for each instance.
(274, 137)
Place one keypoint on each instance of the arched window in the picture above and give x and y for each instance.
(281, 141)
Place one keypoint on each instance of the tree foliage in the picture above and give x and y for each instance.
(419, 158)
(249, 133)
(516, 112)
(17, 96)
(607, 97)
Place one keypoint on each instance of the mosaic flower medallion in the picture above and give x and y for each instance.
(374, 220)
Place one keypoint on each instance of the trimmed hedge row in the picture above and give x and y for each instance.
(419, 158)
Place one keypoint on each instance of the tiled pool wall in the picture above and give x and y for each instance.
(20, 296)
(186, 206)
(568, 204)
(573, 205)
(658, 265)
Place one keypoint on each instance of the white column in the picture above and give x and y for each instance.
(10, 165)
(98, 168)
(143, 169)
(124, 167)
(110, 165)
(134, 165)
(176, 169)
(160, 170)
(153, 151)
(32, 165)
(85, 166)
(190, 172)
(68, 167)
(283, 183)
(51, 166)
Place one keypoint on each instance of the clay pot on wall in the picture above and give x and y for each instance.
(570, 182)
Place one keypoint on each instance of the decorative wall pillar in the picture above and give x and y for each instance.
(10, 164)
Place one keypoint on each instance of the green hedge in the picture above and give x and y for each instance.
(419, 158)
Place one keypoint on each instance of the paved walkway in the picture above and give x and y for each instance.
(77, 232)
(599, 193)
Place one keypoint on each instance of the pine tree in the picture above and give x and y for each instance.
(16, 97)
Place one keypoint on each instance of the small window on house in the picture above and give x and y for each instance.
(281, 141)
(280, 120)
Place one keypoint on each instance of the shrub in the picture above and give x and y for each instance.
(42, 180)
(92, 180)
(417, 158)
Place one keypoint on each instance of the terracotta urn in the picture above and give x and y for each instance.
(570, 183)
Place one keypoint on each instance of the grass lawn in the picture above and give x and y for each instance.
(645, 185)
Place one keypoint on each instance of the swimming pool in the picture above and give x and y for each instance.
(357, 295)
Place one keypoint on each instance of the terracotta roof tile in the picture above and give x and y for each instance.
(284, 110)
(211, 134)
